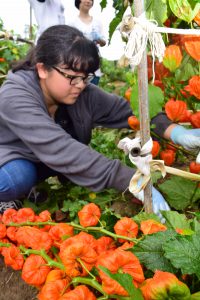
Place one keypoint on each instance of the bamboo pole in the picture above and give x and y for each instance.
(31, 23)
(144, 106)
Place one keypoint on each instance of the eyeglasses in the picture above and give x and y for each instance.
(75, 79)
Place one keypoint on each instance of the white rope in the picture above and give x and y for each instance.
(144, 156)
(140, 31)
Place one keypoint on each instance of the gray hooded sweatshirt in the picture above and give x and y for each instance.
(27, 131)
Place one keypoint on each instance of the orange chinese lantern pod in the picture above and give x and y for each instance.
(151, 226)
(123, 262)
(185, 117)
(89, 215)
(34, 238)
(172, 57)
(194, 86)
(175, 109)
(81, 292)
(197, 18)
(13, 258)
(127, 227)
(168, 156)
(127, 94)
(165, 285)
(35, 270)
(53, 291)
(44, 216)
(61, 231)
(195, 119)
(161, 71)
(76, 255)
(104, 244)
(155, 149)
(25, 214)
(11, 233)
(194, 167)
(3, 232)
(9, 216)
(54, 275)
(134, 123)
(192, 46)
(83, 237)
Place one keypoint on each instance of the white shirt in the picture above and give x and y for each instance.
(48, 13)
(92, 30)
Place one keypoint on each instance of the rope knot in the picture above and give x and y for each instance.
(139, 31)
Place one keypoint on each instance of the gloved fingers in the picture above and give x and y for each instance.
(164, 206)
(159, 204)
(198, 158)
(162, 219)
(189, 142)
(194, 132)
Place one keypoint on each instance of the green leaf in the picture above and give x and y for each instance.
(156, 10)
(195, 296)
(184, 9)
(175, 220)
(103, 4)
(187, 69)
(195, 225)
(156, 100)
(179, 191)
(150, 251)
(126, 281)
(184, 253)
(143, 216)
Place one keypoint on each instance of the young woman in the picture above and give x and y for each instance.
(91, 27)
(48, 109)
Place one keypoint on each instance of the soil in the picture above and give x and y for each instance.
(12, 286)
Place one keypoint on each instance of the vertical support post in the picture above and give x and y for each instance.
(31, 24)
(144, 106)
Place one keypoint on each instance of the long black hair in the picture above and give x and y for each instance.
(62, 44)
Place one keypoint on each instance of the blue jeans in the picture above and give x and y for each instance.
(18, 176)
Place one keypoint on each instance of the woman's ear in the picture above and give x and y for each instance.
(42, 71)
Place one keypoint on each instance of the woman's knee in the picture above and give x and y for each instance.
(17, 177)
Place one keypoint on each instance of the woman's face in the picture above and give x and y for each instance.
(60, 85)
(85, 4)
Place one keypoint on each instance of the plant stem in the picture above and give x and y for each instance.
(195, 190)
(85, 268)
(42, 253)
(76, 226)
(115, 236)
(91, 282)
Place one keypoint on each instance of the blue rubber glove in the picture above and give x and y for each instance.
(188, 138)
(158, 202)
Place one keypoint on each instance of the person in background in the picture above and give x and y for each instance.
(48, 109)
(47, 13)
(90, 26)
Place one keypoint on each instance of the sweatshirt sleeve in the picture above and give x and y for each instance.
(108, 110)
(32, 125)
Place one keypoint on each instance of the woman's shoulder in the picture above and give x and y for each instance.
(21, 83)
(22, 78)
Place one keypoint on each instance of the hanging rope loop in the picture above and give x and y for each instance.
(139, 32)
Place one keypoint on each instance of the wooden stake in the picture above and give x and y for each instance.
(144, 106)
